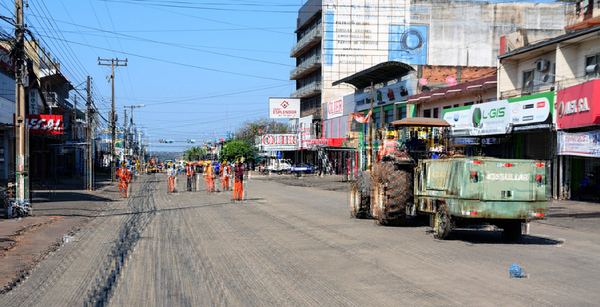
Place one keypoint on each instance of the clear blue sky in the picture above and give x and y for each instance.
(200, 67)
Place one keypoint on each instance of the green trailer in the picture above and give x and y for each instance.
(457, 192)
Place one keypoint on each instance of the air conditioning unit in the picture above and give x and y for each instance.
(543, 65)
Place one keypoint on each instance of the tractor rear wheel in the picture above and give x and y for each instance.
(360, 196)
(392, 193)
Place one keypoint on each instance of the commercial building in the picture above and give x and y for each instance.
(438, 40)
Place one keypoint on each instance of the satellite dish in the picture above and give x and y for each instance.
(451, 81)
(423, 81)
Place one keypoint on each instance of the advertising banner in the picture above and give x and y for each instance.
(304, 131)
(44, 124)
(284, 108)
(279, 142)
(583, 144)
(335, 108)
(576, 105)
(503, 116)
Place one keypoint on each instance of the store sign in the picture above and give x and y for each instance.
(279, 142)
(335, 108)
(575, 105)
(284, 107)
(583, 144)
(304, 131)
(44, 124)
(502, 117)
(325, 142)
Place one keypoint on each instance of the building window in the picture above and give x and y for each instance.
(377, 119)
(470, 103)
(591, 61)
(436, 113)
(389, 116)
(427, 113)
(527, 85)
(401, 113)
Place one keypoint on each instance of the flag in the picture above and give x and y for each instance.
(361, 118)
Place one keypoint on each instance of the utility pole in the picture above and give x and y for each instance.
(74, 117)
(112, 63)
(20, 138)
(371, 123)
(90, 165)
(124, 132)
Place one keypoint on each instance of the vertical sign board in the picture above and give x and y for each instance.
(284, 108)
(576, 105)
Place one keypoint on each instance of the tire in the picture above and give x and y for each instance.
(392, 193)
(360, 196)
(441, 224)
(512, 231)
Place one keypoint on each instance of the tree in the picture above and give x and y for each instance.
(235, 149)
(251, 129)
(194, 153)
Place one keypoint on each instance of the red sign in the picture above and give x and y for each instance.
(44, 124)
(331, 142)
(575, 105)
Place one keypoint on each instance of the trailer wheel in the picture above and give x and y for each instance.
(360, 196)
(441, 223)
(512, 231)
(392, 192)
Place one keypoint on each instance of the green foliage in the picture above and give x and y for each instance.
(250, 130)
(194, 153)
(234, 149)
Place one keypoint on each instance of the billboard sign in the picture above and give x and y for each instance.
(284, 107)
(503, 116)
(576, 105)
(583, 144)
(335, 108)
(44, 124)
(279, 142)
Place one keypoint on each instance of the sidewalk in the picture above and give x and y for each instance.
(57, 212)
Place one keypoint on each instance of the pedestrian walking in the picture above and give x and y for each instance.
(225, 174)
(189, 172)
(238, 187)
(209, 175)
(171, 173)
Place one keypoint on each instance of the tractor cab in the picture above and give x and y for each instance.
(416, 137)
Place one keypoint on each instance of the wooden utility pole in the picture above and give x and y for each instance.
(371, 122)
(124, 132)
(112, 63)
(21, 162)
(75, 118)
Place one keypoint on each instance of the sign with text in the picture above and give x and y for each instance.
(583, 144)
(575, 105)
(279, 142)
(503, 116)
(44, 124)
(335, 108)
(284, 108)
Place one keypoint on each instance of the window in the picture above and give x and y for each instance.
(470, 103)
(427, 113)
(436, 113)
(590, 61)
(377, 119)
(401, 113)
(527, 85)
(389, 116)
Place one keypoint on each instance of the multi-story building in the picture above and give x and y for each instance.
(337, 39)
(567, 69)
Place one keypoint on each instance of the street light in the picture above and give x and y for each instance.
(131, 121)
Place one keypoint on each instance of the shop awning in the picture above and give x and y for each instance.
(379, 73)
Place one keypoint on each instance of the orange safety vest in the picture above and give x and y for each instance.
(208, 171)
(189, 171)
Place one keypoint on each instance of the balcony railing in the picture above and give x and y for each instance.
(305, 68)
(309, 40)
(308, 91)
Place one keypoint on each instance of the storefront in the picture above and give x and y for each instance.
(578, 140)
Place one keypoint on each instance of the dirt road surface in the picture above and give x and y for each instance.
(292, 243)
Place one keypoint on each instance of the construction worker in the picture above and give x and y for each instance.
(124, 178)
(225, 174)
(171, 173)
(390, 146)
(189, 172)
(238, 187)
(209, 175)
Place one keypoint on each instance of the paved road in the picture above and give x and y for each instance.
(289, 245)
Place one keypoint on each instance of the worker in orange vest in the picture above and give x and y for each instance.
(225, 174)
(238, 180)
(171, 173)
(124, 178)
(209, 175)
(189, 172)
